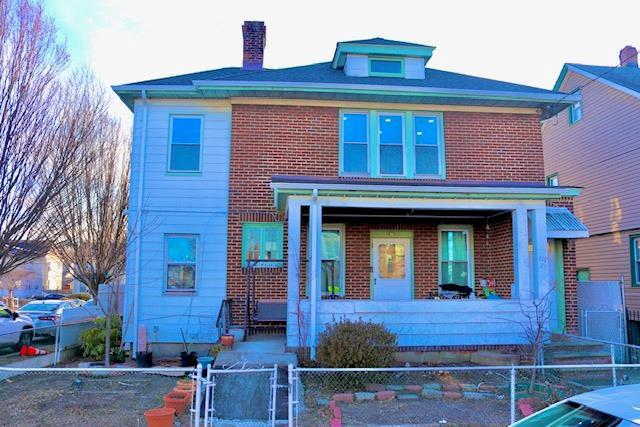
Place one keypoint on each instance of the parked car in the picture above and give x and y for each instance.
(15, 330)
(45, 314)
(50, 296)
(615, 406)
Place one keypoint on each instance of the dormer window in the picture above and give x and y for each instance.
(386, 67)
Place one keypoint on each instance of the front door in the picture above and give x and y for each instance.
(391, 268)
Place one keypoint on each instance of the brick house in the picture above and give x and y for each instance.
(368, 187)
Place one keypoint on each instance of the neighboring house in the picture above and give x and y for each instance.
(596, 144)
(41, 276)
(348, 189)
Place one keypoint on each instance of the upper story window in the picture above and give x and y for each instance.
(553, 180)
(427, 144)
(185, 144)
(394, 144)
(391, 144)
(355, 143)
(386, 67)
(575, 112)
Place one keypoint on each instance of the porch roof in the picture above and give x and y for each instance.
(288, 185)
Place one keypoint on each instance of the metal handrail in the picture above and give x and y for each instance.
(224, 317)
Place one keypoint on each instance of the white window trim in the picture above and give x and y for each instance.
(167, 236)
(404, 144)
(468, 230)
(439, 145)
(183, 116)
(367, 143)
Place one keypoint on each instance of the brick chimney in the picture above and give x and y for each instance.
(254, 37)
(629, 57)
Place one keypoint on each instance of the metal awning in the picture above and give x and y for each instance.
(562, 224)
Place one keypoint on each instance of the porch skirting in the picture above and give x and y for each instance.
(421, 323)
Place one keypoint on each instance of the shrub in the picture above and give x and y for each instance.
(358, 344)
(93, 339)
(79, 295)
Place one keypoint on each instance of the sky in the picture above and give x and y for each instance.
(525, 42)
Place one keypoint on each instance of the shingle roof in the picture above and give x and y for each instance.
(628, 77)
(387, 42)
(323, 73)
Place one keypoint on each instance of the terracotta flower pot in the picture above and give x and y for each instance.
(226, 340)
(160, 417)
(177, 401)
(184, 392)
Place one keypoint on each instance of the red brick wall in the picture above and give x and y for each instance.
(270, 140)
(570, 285)
(493, 146)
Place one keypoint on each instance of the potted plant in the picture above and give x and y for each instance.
(226, 340)
(160, 417)
(144, 359)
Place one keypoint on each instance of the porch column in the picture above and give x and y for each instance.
(521, 253)
(315, 275)
(540, 257)
(294, 268)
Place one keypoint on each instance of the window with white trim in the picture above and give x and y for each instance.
(391, 143)
(575, 112)
(181, 258)
(427, 142)
(355, 143)
(185, 144)
(635, 260)
(455, 254)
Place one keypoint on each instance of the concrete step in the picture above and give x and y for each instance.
(573, 345)
(569, 354)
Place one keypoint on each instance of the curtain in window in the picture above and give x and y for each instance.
(453, 254)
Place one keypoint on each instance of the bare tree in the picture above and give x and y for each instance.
(91, 212)
(39, 130)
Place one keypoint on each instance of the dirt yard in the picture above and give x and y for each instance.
(73, 400)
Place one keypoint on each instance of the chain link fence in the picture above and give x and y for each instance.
(491, 396)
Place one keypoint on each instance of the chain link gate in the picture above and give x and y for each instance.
(240, 397)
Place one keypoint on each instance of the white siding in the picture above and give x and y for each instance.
(357, 65)
(189, 204)
(414, 68)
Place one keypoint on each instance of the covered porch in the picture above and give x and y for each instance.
(438, 265)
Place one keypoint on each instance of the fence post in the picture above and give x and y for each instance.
(56, 355)
(290, 395)
(613, 368)
(209, 398)
(512, 391)
(196, 411)
(274, 393)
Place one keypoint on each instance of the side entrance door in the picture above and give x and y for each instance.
(391, 268)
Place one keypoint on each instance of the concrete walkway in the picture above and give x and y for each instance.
(262, 350)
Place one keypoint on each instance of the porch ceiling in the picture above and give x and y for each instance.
(333, 214)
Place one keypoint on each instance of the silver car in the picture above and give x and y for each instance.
(615, 406)
(45, 314)
(15, 330)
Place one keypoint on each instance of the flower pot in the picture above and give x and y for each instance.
(226, 340)
(188, 393)
(160, 417)
(188, 359)
(177, 401)
(144, 359)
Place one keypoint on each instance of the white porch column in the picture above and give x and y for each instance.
(521, 253)
(294, 268)
(315, 267)
(540, 257)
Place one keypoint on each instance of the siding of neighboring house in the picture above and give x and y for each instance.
(601, 153)
(304, 140)
(45, 276)
(183, 204)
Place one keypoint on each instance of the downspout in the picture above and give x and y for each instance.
(313, 218)
(138, 235)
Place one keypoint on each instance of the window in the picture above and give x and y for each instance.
(391, 141)
(455, 255)
(262, 241)
(426, 140)
(572, 414)
(635, 260)
(355, 152)
(382, 67)
(332, 260)
(181, 250)
(575, 112)
(186, 139)
(553, 180)
(583, 275)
